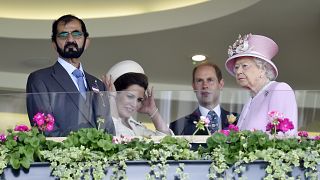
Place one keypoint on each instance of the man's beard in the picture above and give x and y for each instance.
(70, 50)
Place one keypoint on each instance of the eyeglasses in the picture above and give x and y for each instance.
(74, 34)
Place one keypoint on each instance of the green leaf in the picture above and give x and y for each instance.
(10, 143)
(22, 136)
(34, 142)
(25, 162)
(21, 149)
(90, 135)
(105, 145)
(15, 163)
(29, 152)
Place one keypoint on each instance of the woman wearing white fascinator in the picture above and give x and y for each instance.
(128, 79)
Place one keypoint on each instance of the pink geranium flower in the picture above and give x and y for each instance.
(44, 122)
(225, 132)
(22, 128)
(50, 119)
(285, 125)
(38, 117)
(3, 137)
(303, 134)
(232, 127)
(49, 127)
(316, 138)
(278, 123)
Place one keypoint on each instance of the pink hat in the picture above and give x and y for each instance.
(254, 46)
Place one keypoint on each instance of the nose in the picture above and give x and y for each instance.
(70, 37)
(238, 70)
(205, 84)
(133, 103)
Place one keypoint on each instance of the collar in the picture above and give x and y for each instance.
(204, 111)
(69, 67)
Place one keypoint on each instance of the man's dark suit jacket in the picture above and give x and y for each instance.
(186, 126)
(51, 90)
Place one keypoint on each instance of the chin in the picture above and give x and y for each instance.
(242, 84)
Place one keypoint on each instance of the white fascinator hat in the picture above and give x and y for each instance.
(124, 67)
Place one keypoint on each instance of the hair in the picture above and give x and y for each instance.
(65, 20)
(214, 66)
(131, 78)
(262, 64)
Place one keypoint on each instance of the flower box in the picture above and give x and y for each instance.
(138, 170)
(92, 154)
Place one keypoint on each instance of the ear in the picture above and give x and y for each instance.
(87, 43)
(193, 86)
(53, 44)
(262, 73)
(221, 84)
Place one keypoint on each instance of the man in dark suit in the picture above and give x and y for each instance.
(65, 90)
(207, 83)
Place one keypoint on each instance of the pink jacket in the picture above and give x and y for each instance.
(276, 96)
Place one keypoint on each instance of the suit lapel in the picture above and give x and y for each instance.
(190, 127)
(224, 119)
(63, 78)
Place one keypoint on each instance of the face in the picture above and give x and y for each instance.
(207, 86)
(70, 41)
(248, 74)
(130, 100)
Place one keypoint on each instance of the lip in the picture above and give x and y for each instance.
(130, 110)
(241, 78)
(205, 93)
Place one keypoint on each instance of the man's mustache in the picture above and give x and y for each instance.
(70, 46)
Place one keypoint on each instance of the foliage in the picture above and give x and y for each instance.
(91, 153)
(21, 148)
(248, 146)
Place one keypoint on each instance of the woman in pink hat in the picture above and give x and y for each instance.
(250, 62)
(128, 79)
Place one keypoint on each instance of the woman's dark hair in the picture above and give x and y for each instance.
(128, 79)
(66, 19)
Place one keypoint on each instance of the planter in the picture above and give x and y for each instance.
(37, 171)
(137, 170)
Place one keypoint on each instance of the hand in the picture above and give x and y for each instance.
(108, 82)
(148, 105)
(112, 95)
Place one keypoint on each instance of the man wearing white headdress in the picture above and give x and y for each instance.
(128, 79)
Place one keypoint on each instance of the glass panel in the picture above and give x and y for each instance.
(172, 105)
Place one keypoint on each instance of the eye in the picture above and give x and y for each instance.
(245, 66)
(63, 34)
(140, 100)
(199, 81)
(130, 96)
(76, 34)
(210, 81)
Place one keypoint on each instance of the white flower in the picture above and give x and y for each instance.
(239, 46)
